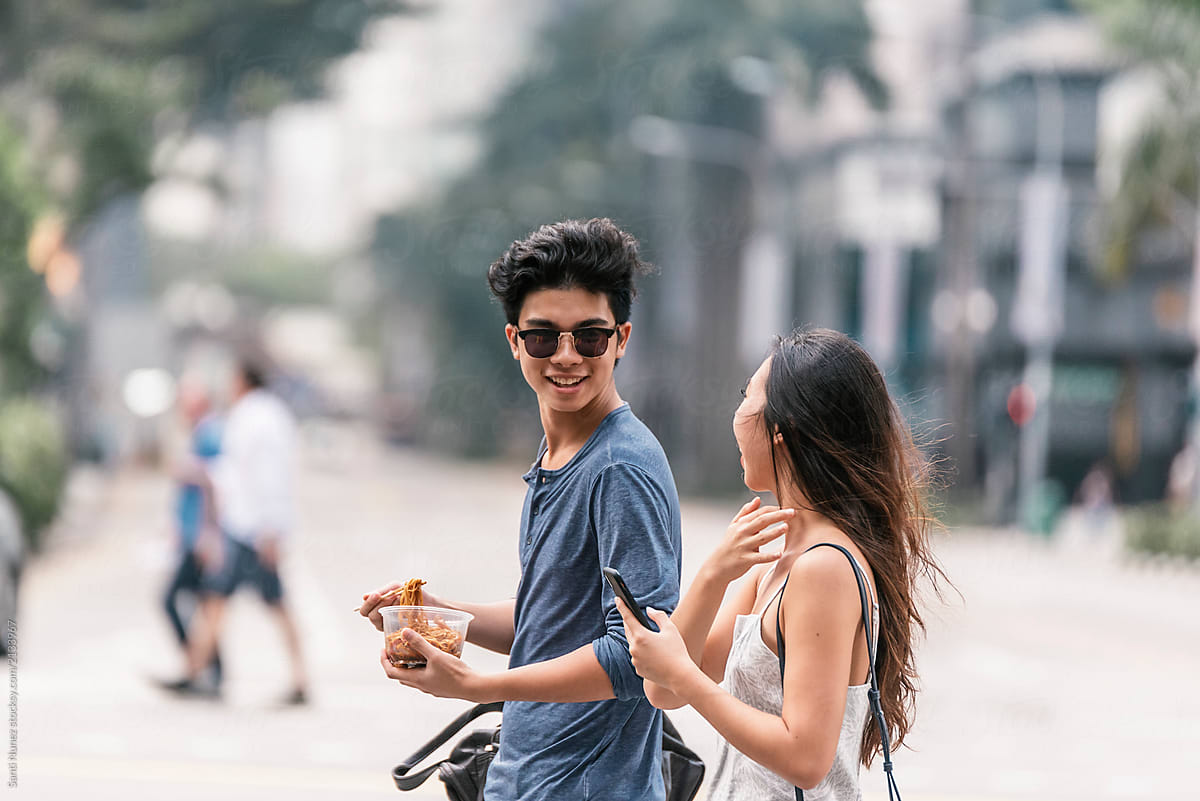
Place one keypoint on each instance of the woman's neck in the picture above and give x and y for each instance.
(807, 528)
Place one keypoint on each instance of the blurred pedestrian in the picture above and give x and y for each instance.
(1097, 498)
(254, 479)
(194, 510)
(600, 493)
(783, 670)
(1182, 478)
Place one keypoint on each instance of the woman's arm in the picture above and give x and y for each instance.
(820, 617)
(706, 615)
(738, 554)
(714, 647)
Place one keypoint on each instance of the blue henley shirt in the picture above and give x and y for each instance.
(614, 504)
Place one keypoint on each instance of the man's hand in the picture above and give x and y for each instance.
(658, 656)
(210, 549)
(189, 470)
(268, 551)
(443, 676)
(385, 596)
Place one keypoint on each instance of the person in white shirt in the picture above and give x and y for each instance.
(254, 483)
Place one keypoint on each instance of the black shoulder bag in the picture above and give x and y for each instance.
(465, 770)
(873, 693)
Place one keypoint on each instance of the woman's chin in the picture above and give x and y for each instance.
(754, 485)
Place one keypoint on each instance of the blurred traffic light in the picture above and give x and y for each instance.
(1022, 404)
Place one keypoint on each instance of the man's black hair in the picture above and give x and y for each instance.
(252, 373)
(594, 255)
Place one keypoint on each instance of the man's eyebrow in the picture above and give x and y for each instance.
(591, 321)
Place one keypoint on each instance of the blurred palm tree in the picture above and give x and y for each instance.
(1160, 178)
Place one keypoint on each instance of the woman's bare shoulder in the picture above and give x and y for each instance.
(825, 573)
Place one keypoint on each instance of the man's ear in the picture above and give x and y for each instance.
(510, 332)
(623, 337)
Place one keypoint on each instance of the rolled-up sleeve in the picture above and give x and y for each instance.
(637, 534)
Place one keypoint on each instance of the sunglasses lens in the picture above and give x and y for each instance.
(591, 343)
(541, 344)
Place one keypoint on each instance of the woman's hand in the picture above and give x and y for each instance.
(659, 656)
(753, 527)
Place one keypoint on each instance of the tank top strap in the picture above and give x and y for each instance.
(778, 596)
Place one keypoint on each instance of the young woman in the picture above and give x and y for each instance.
(817, 429)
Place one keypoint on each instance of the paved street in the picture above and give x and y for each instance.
(1065, 673)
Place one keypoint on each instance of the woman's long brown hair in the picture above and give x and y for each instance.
(853, 456)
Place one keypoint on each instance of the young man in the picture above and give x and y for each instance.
(576, 722)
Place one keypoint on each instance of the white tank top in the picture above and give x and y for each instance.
(752, 676)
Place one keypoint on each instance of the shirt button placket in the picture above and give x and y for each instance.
(533, 512)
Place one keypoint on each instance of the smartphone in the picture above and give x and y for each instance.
(622, 591)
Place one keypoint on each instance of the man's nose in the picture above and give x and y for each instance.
(566, 349)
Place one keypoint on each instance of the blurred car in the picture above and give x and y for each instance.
(12, 557)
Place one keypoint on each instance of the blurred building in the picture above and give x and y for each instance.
(966, 256)
(121, 332)
(955, 232)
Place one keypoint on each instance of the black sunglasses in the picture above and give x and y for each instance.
(542, 343)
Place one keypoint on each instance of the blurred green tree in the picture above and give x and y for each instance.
(18, 284)
(89, 87)
(558, 144)
(33, 463)
(107, 78)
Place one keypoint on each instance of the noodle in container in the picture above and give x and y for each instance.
(446, 629)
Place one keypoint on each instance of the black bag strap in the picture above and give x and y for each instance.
(400, 774)
(672, 740)
(873, 693)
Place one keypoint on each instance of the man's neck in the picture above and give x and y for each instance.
(567, 432)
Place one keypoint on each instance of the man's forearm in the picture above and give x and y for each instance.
(571, 678)
(492, 627)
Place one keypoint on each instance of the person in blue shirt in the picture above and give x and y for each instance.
(193, 511)
(600, 493)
